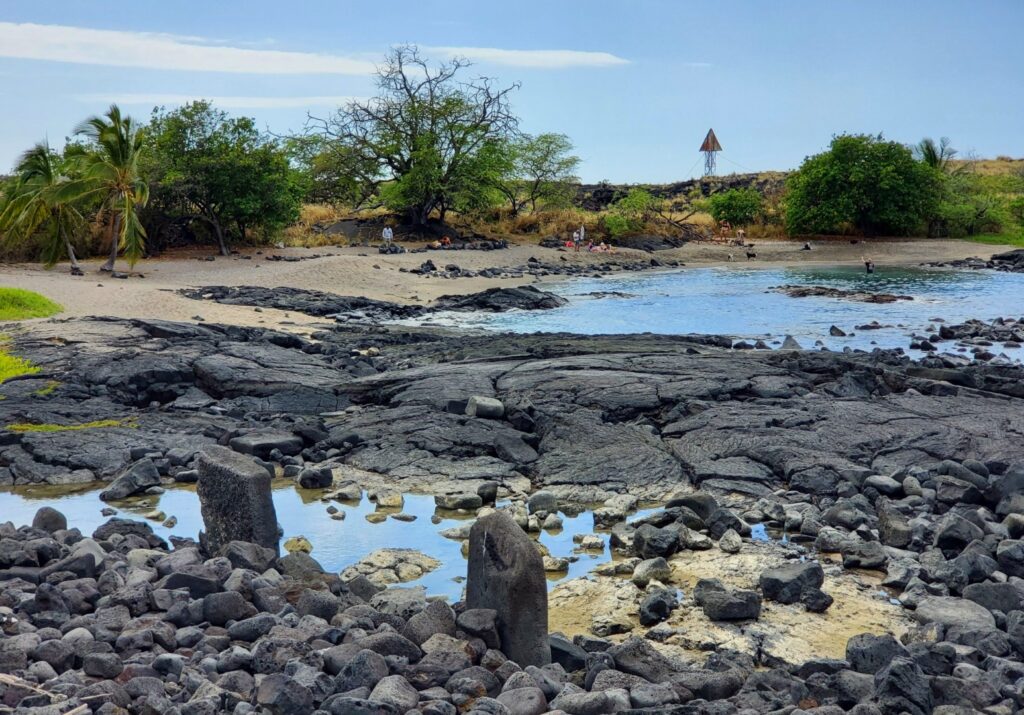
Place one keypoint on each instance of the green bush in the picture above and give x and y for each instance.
(739, 207)
(1016, 209)
(863, 183)
(630, 213)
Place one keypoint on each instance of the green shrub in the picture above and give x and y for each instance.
(862, 183)
(630, 213)
(739, 207)
(19, 304)
(1016, 209)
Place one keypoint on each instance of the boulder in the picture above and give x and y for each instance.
(949, 611)
(869, 653)
(506, 574)
(138, 477)
(49, 519)
(315, 478)
(650, 542)
(737, 605)
(485, 407)
(235, 500)
(657, 606)
(901, 687)
(262, 443)
(786, 583)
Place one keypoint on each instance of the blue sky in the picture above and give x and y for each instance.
(635, 83)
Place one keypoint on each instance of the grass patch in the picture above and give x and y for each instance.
(20, 304)
(98, 424)
(48, 388)
(13, 366)
(998, 239)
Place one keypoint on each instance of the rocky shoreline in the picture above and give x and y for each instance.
(866, 462)
(1009, 262)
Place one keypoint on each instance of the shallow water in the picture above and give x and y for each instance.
(735, 301)
(336, 544)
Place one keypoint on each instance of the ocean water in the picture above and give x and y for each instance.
(336, 544)
(736, 301)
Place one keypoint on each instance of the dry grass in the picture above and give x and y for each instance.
(992, 167)
(301, 232)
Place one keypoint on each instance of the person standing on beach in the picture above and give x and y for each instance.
(388, 235)
(576, 240)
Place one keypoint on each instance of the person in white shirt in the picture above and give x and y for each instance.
(388, 235)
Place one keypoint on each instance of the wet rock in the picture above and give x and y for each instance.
(657, 606)
(506, 574)
(235, 499)
(650, 542)
(315, 478)
(49, 519)
(542, 501)
(137, 478)
(390, 566)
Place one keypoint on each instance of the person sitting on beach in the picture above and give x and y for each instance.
(445, 241)
(590, 246)
(435, 244)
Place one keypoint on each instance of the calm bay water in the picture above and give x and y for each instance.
(735, 301)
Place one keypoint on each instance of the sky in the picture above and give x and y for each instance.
(635, 84)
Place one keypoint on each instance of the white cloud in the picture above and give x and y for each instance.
(227, 102)
(80, 45)
(534, 59)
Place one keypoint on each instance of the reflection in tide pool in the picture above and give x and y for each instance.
(736, 302)
(336, 544)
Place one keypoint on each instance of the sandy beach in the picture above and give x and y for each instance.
(151, 290)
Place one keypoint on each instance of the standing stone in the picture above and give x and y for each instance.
(235, 499)
(506, 574)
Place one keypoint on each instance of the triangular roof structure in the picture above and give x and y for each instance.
(711, 142)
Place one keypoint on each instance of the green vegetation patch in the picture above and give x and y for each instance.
(98, 424)
(48, 388)
(20, 304)
(13, 366)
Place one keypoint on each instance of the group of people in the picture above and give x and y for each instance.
(577, 243)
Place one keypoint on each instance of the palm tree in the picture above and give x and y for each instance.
(35, 199)
(112, 171)
(938, 156)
